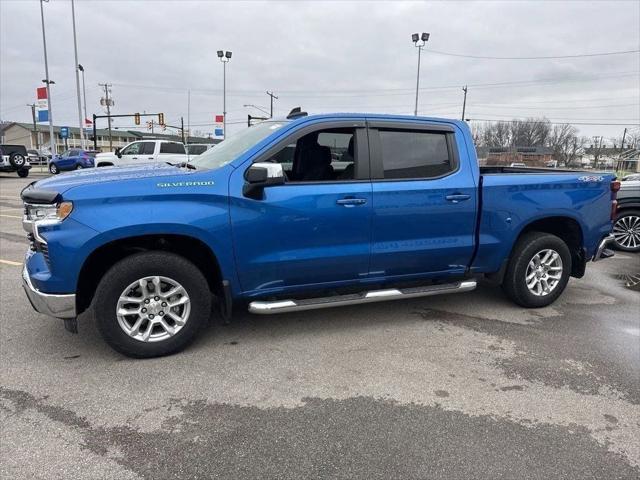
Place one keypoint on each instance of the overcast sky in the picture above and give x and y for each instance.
(328, 56)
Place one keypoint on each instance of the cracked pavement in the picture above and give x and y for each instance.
(458, 386)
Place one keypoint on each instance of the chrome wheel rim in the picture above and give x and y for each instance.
(153, 309)
(626, 231)
(544, 272)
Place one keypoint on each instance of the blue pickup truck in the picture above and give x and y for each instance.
(302, 213)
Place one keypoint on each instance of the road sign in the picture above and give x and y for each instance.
(219, 118)
(218, 132)
(43, 115)
(64, 132)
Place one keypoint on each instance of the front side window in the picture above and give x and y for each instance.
(415, 154)
(321, 156)
(132, 149)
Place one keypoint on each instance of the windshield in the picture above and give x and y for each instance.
(233, 147)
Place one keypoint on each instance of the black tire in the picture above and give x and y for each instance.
(53, 169)
(627, 221)
(24, 173)
(514, 283)
(100, 165)
(138, 266)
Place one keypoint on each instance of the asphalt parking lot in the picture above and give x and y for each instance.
(452, 387)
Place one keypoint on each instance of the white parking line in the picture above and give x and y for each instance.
(10, 262)
(10, 216)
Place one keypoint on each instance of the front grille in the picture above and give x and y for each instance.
(37, 246)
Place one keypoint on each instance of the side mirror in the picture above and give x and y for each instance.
(261, 175)
(118, 152)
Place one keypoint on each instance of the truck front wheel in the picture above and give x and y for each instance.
(152, 304)
(538, 270)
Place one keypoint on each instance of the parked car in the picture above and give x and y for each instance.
(406, 212)
(199, 148)
(34, 157)
(144, 151)
(626, 229)
(631, 177)
(72, 159)
(14, 158)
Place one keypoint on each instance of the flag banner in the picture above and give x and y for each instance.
(218, 132)
(41, 93)
(43, 115)
(88, 122)
(219, 118)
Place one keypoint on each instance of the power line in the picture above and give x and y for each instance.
(549, 57)
(552, 123)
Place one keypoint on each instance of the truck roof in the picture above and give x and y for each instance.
(377, 116)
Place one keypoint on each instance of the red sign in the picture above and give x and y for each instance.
(219, 118)
(42, 93)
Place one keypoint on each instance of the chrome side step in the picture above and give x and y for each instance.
(283, 306)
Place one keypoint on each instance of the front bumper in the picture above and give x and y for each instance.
(54, 305)
(603, 251)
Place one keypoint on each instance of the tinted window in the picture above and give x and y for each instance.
(171, 148)
(74, 153)
(407, 154)
(148, 148)
(197, 149)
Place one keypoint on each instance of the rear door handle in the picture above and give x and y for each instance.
(134, 158)
(351, 202)
(457, 197)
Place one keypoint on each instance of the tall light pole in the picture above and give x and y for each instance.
(75, 51)
(84, 92)
(419, 41)
(52, 140)
(224, 57)
(272, 97)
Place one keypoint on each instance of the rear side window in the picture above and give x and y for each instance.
(171, 148)
(415, 154)
(148, 148)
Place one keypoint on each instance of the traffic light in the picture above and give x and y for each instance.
(136, 118)
(161, 118)
(150, 125)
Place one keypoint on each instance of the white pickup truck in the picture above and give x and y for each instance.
(144, 151)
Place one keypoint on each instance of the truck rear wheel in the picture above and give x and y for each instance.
(538, 270)
(152, 304)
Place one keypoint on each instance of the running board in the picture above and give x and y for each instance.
(283, 306)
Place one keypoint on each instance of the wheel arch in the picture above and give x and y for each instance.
(566, 228)
(101, 259)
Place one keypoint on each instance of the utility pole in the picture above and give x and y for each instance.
(108, 102)
(182, 128)
(35, 128)
(84, 94)
(272, 97)
(224, 57)
(464, 102)
(52, 139)
(75, 50)
(624, 135)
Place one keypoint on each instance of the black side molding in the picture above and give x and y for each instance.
(37, 195)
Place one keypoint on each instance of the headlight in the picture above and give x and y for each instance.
(54, 213)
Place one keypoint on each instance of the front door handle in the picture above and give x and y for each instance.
(351, 202)
(457, 197)
(134, 158)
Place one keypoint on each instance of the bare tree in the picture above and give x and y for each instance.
(564, 142)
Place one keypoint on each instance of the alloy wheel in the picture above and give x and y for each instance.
(626, 231)
(544, 272)
(153, 309)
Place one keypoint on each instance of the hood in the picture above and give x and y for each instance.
(91, 176)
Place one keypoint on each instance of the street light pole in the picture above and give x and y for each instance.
(84, 92)
(464, 102)
(224, 57)
(52, 140)
(75, 51)
(419, 41)
(271, 109)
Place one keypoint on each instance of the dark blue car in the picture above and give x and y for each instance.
(72, 160)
